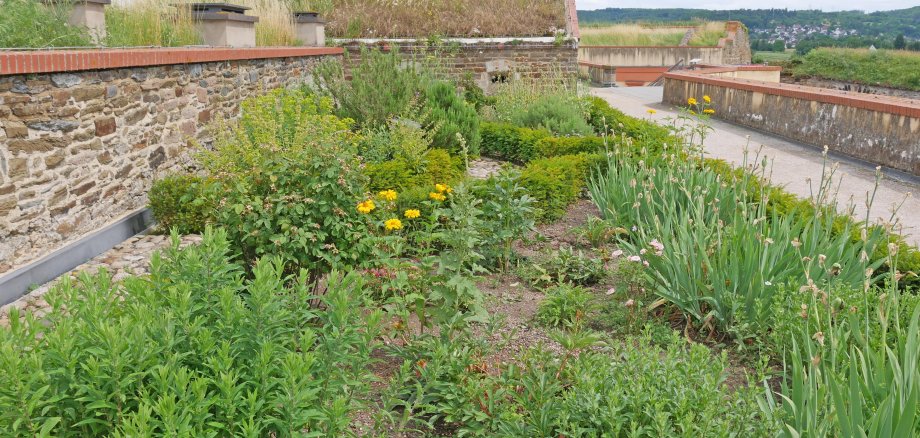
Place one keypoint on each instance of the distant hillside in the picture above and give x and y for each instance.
(876, 23)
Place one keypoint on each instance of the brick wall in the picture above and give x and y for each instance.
(877, 129)
(83, 133)
(485, 60)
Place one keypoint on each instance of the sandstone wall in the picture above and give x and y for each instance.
(876, 129)
(83, 134)
(486, 60)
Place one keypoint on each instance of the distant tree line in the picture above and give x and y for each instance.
(882, 23)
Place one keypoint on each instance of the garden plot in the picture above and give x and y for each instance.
(603, 279)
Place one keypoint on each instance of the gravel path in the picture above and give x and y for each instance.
(131, 257)
(484, 168)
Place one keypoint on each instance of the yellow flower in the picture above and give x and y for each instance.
(707, 99)
(393, 224)
(366, 206)
(441, 188)
(388, 195)
(691, 101)
(651, 111)
(709, 111)
(437, 196)
(412, 214)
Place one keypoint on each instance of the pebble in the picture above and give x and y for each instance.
(131, 257)
(484, 168)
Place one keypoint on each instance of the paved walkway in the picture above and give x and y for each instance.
(793, 163)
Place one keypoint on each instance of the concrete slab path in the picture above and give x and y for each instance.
(793, 163)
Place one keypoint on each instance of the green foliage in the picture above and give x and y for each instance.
(851, 372)
(555, 146)
(714, 251)
(509, 142)
(445, 383)
(452, 116)
(473, 93)
(509, 214)
(150, 23)
(881, 67)
(569, 266)
(563, 305)
(438, 167)
(180, 202)
(564, 117)
(381, 85)
(298, 206)
(191, 350)
(557, 182)
(403, 138)
(649, 138)
(283, 121)
(32, 24)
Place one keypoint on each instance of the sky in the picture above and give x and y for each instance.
(827, 5)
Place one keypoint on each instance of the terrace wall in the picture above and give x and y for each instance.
(877, 129)
(83, 133)
(487, 60)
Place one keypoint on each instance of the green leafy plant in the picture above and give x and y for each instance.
(181, 202)
(300, 207)
(510, 142)
(556, 182)
(564, 117)
(508, 214)
(283, 121)
(451, 116)
(563, 305)
(192, 349)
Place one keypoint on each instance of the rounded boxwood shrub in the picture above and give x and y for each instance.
(438, 167)
(557, 182)
(556, 146)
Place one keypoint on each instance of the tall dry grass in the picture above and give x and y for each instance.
(149, 23)
(638, 34)
(424, 18)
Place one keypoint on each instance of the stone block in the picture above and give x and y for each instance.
(105, 126)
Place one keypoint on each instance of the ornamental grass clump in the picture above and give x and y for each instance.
(191, 350)
(724, 251)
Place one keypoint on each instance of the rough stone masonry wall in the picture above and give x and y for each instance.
(737, 50)
(880, 130)
(79, 149)
(486, 61)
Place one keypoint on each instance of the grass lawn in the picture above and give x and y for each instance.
(892, 68)
(638, 34)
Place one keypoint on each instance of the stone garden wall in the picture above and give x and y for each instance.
(877, 129)
(83, 133)
(487, 60)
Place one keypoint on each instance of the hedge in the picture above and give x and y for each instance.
(508, 142)
(557, 182)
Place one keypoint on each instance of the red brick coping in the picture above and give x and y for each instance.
(55, 61)
(872, 102)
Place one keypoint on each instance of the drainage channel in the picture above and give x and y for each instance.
(19, 282)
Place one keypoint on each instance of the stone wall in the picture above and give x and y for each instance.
(79, 147)
(737, 46)
(488, 61)
(876, 129)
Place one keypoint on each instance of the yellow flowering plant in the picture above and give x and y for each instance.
(366, 207)
(393, 224)
(412, 213)
(388, 195)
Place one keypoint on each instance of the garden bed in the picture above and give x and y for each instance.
(598, 277)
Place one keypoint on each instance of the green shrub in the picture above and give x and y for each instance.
(299, 206)
(549, 113)
(32, 24)
(509, 142)
(402, 138)
(556, 146)
(648, 138)
(180, 202)
(438, 167)
(563, 305)
(382, 85)
(280, 122)
(473, 94)
(451, 115)
(191, 350)
(557, 182)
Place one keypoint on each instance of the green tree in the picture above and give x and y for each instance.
(899, 42)
(779, 46)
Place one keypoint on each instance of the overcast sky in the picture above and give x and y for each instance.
(827, 5)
